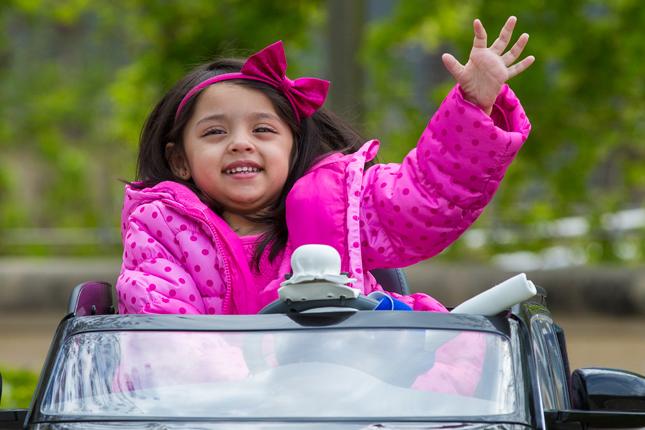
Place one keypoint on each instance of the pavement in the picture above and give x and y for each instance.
(602, 309)
(45, 284)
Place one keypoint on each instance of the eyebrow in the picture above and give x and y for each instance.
(253, 115)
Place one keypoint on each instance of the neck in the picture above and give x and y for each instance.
(242, 226)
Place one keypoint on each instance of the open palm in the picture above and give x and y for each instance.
(488, 68)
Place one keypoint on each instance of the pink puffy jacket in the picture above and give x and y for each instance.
(180, 257)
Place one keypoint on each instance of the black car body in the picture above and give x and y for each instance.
(325, 370)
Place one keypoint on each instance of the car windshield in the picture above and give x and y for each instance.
(318, 373)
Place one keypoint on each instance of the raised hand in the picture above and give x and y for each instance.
(487, 69)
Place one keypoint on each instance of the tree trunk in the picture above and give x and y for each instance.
(345, 22)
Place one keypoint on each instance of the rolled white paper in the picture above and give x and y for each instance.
(502, 296)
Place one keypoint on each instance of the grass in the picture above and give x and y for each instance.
(18, 386)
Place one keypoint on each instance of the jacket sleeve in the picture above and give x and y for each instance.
(153, 278)
(413, 210)
(458, 366)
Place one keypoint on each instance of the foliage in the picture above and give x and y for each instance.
(584, 95)
(17, 388)
(77, 79)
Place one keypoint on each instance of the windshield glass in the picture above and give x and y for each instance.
(301, 373)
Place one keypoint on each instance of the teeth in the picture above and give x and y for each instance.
(244, 169)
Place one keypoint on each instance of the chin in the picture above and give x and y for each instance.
(247, 209)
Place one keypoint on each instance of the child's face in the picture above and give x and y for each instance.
(237, 148)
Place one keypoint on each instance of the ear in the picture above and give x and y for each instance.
(177, 161)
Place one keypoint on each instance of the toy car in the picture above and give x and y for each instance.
(321, 366)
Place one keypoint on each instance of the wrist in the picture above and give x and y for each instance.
(487, 108)
(482, 98)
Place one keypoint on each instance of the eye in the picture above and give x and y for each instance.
(211, 131)
(263, 129)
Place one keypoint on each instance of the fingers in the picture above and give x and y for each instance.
(505, 35)
(480, 34)
(453, 66)
(512, 55)
(518, 68)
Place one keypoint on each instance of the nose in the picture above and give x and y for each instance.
(240, 142)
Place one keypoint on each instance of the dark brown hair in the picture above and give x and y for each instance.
(314, 137)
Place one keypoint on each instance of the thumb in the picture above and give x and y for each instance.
(453, 66)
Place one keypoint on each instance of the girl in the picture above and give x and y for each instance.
(239, 165)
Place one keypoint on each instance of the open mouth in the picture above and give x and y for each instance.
(242, 170)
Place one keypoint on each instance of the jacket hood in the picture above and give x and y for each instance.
(164, 191)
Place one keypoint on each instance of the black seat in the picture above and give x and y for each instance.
(392, 280)
(91, 298)
(96, 298)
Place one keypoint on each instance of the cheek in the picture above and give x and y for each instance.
(205, 163)
(288, 155)
(278, 157)
(282, 169)
(207, 178)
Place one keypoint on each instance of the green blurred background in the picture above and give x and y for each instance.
(78, 77)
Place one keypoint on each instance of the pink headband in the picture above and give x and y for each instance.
(269, 65)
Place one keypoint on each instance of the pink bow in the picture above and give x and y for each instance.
(269, 65)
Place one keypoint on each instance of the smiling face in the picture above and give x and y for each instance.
(236, 149)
